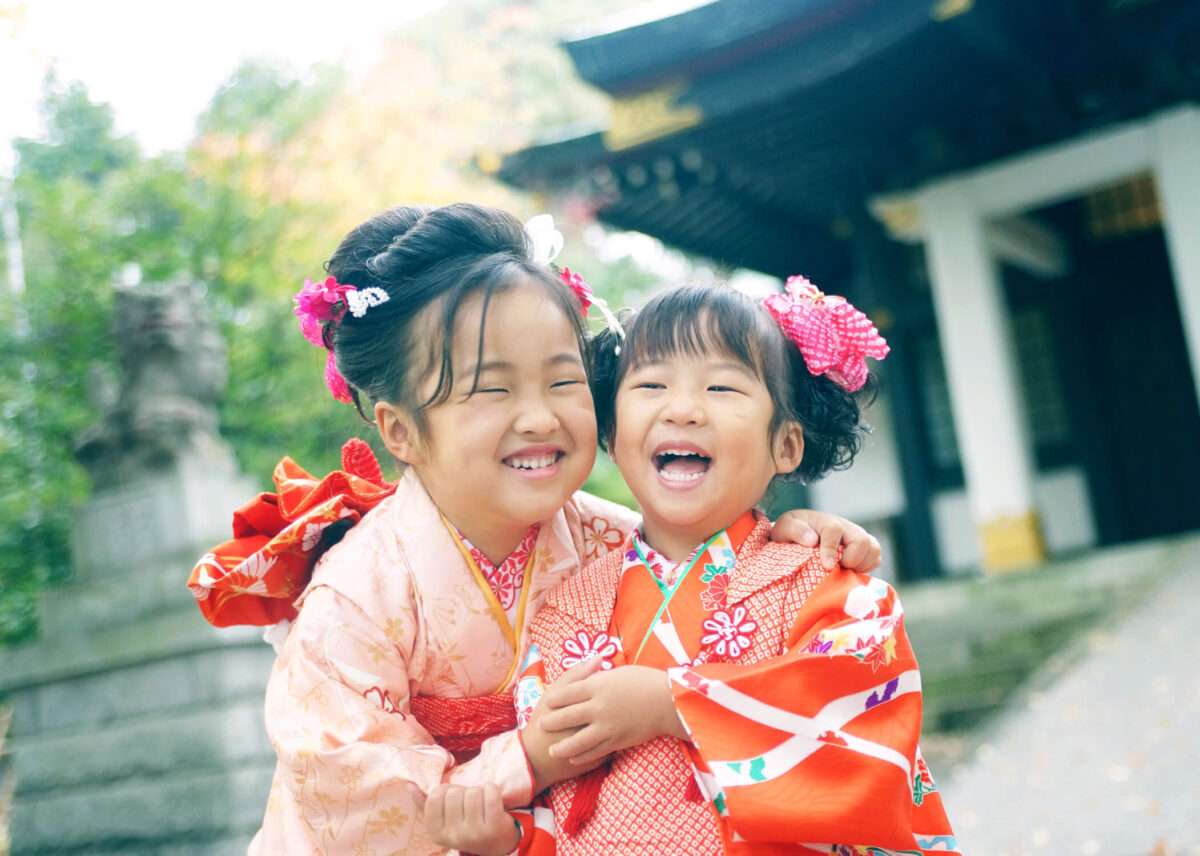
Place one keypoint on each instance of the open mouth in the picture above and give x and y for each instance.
(681, 465)
(534, 462)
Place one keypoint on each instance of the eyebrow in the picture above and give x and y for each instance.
(726, 365)
(734, 366)
(503, 365)
(488, 366)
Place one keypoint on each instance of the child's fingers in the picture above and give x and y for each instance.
(473, 807)
(558, 696)
(579, 671)
(792, 527)
(862, 553)
(567, 718)
(600, 750)
(595, 754)
(577, 744)
(453, 811)
(494, 815)
(831, 540)
(435, 810)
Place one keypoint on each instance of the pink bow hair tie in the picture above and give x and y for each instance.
(834, 338)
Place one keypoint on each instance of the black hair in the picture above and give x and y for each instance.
(698, 320)
(420, 256)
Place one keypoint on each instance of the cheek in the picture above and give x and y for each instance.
(470, 429)
(578, 416)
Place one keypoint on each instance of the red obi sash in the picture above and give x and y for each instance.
(278, 537)
(460, 725)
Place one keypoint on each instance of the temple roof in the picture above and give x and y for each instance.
(752, 132)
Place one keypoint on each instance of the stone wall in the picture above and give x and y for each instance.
(136, 727)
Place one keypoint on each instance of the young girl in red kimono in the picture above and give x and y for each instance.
(448, 329)
(788, 715)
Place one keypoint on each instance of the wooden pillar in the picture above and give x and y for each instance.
(973, 327)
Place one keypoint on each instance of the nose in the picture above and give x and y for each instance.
(536, 417)
(683, 407)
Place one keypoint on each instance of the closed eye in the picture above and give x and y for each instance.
(561, 383)
(649, 385)
(719, 388)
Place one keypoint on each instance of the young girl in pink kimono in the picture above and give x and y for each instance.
(450, 330)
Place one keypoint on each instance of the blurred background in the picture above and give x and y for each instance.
(1010, 189)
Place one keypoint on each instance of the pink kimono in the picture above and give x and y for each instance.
(396, 614)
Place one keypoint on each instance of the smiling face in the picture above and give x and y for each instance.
(693, 438)
(510, 452)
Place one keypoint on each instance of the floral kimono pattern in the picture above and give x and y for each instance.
(798, 688)
(397, 640)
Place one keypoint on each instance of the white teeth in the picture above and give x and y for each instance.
(533, 463)
(682, 453)
(670, 475)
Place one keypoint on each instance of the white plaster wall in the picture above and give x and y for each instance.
(872, 488)
(871, 491)
(1061, 498)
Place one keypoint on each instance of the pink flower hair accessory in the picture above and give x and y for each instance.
(546, 243)
(327, 302)
(834, 338)
(580, 288)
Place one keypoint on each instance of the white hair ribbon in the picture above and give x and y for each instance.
(547, 241)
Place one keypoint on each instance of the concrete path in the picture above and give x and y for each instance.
(1101, 757)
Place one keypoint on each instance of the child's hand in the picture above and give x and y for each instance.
(472, 819)
(861, 551)
(610, 711)
(550, 769)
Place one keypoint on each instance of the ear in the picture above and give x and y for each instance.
(788, 447)
(398, 432)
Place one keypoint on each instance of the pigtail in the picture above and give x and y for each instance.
(830, 415)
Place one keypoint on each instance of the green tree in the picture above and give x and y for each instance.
(283, 164)
(51, 338)
(92, 207)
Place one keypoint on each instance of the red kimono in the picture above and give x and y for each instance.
(798, 687)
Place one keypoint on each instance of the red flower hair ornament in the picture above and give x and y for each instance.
(322, 303)
(547, 243)
(834, 338)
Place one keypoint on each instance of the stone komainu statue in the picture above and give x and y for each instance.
(172, 367)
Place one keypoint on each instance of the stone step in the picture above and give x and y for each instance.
(234, 845)
(148, 747)
(84, 606)
(960, 695)
(145, 816)
(109, 685)
(979, 641)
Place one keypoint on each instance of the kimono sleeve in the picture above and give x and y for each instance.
(819, 744)
(538, 832)
(604, 524)
(337, 713)
(537, 828)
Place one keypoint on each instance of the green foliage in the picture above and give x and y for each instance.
(51, 339)
(90, 205)
(281, 167)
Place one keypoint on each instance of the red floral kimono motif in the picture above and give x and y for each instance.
(277, 537)
(507, 578)
(798, 688)
(399, 663)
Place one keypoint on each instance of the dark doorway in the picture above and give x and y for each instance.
(1137, 418)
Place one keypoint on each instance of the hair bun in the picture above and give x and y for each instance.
(456, 231)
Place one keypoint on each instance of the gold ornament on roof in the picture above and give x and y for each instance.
(650, 115)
